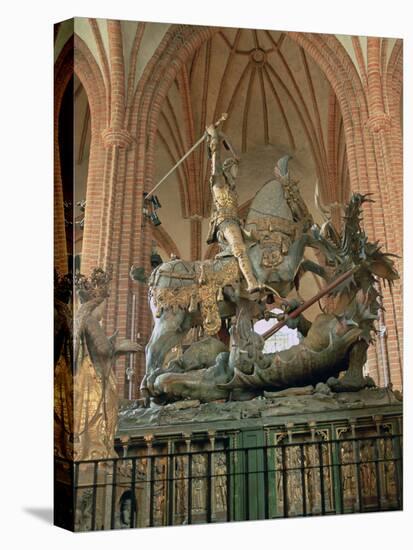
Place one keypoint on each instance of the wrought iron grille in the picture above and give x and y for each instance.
(287, 479)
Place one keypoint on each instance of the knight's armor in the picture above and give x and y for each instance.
(225, 209)
(224, 223)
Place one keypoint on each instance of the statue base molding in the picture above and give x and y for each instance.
(294, 405)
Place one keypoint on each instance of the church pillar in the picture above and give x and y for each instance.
(389, 230)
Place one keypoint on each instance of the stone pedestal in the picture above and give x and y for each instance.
(271, 457)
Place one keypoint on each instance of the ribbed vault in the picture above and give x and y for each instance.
(278, 102)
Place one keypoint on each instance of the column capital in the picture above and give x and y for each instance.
(117, 137)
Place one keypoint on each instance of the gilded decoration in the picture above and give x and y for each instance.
(368, 470)
(275, 235)
(181, 486)
(226, 205)
(96, 406)
(297, 467)
(199, 483)
(95, 393)
(221, 482)
(225, 225)
(293, 476)
(348, 472)
(389, 471)
(211, 277)
(269, 266)
(63, 409)
(159, 492)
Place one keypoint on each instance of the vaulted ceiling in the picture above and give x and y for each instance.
(278, 101)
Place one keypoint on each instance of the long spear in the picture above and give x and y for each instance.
(222, 118)
(310, 302)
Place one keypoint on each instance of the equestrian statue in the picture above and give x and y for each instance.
(260, 261)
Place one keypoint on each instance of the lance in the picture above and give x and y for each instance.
(222, 118)
(294, 314)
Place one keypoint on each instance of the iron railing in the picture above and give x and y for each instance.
(287, 479)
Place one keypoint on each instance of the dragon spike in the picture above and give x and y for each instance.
(359, 197)
(367, 195)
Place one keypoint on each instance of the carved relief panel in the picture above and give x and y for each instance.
(159, 491)
(368, 467)
(303, 473)
(220, 474)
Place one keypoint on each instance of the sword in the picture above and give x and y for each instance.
(222, 118)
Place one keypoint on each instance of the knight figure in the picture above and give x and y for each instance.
(225, 225)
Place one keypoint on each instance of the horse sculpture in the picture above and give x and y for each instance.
(207, 293)
(336, 341)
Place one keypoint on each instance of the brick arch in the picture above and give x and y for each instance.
(180, 42)
(339, 69)
(76, 58)
(363, 169)
(63, 71)
(394, 86)
(90, 75)
(88, 71)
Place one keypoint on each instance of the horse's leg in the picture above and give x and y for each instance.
(168, 331)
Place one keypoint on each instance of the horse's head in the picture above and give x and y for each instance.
(277, 221)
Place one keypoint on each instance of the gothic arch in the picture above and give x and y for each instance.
(180, 42)
(63, 71)
(86, 68)
(76, 58)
